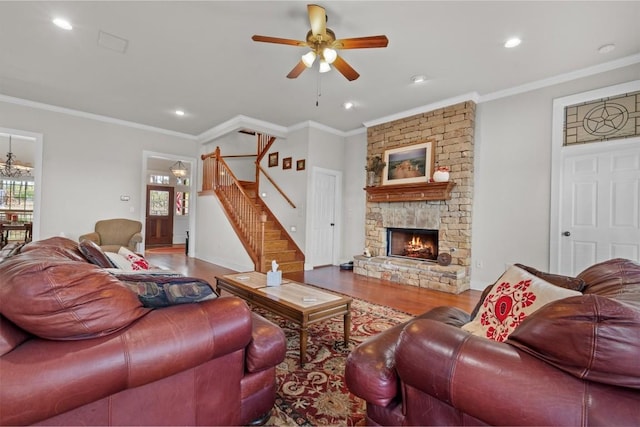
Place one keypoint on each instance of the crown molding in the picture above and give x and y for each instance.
(562, 78)
(92, 116)
(241, 122)
(471, 96)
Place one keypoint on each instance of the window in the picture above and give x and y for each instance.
(17, 197)
(159, 179)
(158, 203)
(182, 203)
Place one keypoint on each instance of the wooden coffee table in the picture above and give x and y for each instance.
(298, 302)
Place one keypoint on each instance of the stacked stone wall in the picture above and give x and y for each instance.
(451, 130)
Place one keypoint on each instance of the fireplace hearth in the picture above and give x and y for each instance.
(413, 243)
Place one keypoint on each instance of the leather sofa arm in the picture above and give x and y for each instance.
(164, 342)
(483, 378)
(93, 236)
(370, 370)
(268, 345)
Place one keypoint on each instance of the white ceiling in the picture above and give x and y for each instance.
(199, 56)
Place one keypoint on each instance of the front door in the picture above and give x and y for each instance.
(159, 216)
(600, 204)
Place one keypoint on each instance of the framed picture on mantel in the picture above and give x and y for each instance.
(408, 165)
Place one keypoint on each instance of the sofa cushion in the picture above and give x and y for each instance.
(515, 295)
(616, 278)
(94, 254)
(591, 337)
(64, 300)
(55, 247)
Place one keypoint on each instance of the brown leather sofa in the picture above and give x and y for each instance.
(78, 348)
(573, 362)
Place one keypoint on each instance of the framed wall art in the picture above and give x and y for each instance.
(407, 165)
(300, 164)
(273, 159)
(286, 163)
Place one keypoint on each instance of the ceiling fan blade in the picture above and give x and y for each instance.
(345, 69)
(317, 19)
(267, 39)
(361, 42)
(297, 70)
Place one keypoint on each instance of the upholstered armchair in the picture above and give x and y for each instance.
(111, 234)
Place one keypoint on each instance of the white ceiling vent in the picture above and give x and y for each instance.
(111, 42)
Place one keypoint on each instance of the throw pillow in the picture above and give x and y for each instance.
(515, 295)
(127, 260)
(161, 291)
(137, 262)
(94, 254)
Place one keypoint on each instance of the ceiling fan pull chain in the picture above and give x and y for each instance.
(318, 90)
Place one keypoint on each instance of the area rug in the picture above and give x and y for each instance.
(316, 393)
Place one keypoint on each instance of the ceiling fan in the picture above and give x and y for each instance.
(323, 44)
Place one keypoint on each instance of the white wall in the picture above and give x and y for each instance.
(87, 165)
(354, 196)
(511, 216)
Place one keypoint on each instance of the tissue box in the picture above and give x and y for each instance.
(274, 278)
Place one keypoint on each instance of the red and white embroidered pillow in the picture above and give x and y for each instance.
(515, 295)
(127, 260)
(137, 262)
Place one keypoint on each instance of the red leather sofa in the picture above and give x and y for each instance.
(78, 348)
(572, 362)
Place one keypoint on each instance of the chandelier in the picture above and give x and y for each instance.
(179, 169)
(12, 168)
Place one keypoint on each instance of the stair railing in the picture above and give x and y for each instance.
(245, 217)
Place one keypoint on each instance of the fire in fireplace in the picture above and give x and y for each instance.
(414, 243)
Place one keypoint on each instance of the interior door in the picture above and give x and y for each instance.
(324, 219)
(159, 216)
(600, 204)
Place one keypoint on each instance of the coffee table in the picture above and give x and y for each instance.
(298, 302)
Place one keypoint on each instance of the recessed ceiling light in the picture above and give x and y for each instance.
(606, 48)
(418, 79)
(62, 23)
(513, 42)
(348, 105)
(179, 113)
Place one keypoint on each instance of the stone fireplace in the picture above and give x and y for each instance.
(452, 130)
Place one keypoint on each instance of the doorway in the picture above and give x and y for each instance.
(159, 216)
(594, 194)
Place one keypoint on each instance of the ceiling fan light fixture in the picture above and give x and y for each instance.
(324, 67)
(308, 58)
(329, 55)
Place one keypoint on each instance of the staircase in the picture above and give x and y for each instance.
(277, 245)
(260, 232)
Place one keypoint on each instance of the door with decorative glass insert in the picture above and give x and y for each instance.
(159, 216)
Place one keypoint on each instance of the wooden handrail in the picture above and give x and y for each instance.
(276, 186)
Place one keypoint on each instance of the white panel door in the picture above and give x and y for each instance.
(600, 208)
(324, 218)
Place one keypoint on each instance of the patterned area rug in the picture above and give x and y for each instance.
(316, 393)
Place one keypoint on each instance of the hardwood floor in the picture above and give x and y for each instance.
(401, 297)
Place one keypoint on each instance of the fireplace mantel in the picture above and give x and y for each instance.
(410, 192)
